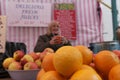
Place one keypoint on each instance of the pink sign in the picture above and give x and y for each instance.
(32, 14)
(65, 14)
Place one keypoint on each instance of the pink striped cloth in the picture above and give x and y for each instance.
(89, 28)
(0, 7)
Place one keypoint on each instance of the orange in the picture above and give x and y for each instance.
(85, 74)
(67, 60)
(40, 74)
(47, 63)
(87, 67)
(114, 73)
(52, 75)
(104, 61)
(86, 53)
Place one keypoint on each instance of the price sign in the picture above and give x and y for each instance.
(2, 33)
(65, 14)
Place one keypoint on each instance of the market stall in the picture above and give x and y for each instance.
(82, 26)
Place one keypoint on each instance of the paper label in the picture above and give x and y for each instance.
(2, 33)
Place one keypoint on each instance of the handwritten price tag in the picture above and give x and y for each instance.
(2, 33)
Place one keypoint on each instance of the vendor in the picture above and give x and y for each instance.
(51, 39)
(118, 33)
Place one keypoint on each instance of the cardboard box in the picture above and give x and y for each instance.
(2, 33)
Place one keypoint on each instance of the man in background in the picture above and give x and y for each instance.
(52, 39)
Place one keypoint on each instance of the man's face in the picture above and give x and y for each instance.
(55, 29)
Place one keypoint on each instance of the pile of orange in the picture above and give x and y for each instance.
(104, 61)
(73, 63)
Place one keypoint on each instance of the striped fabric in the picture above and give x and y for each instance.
(0, 7)
(89, 29)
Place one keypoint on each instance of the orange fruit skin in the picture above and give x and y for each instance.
(67, 60)
(52, 75)
(85, 74)
(47, 63)
(40, 74)
(86, 53)
(84, 66)
(114, 73)
(104, 61)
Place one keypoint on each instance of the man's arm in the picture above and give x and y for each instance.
(41, 44)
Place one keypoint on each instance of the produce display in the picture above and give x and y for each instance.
(21, 61)
(68, 63)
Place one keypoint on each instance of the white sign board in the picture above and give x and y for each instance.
(2, 33)
(28, 14)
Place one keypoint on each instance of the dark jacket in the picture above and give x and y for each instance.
(43, 42)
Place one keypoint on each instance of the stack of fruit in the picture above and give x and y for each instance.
(68, 63)
(25, 65)
(79, 63)
(22, 61)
